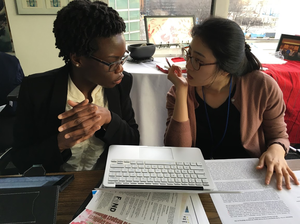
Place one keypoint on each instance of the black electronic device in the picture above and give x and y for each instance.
(62, 181)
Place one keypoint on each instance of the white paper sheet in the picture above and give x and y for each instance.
(258, 203)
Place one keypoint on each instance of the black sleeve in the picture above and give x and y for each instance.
(34, 141)
(123, 129)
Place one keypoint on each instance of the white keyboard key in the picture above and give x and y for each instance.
(115, 169)
(116, 165)
(160, 175)
(197, 168)
(159, 163)
(136, 179)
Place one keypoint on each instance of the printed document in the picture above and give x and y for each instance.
(258, 203)
(143, 208)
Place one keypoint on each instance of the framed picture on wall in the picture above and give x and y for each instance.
(40, 6)
(289, 46)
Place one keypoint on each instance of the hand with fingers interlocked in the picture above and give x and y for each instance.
(80, 123)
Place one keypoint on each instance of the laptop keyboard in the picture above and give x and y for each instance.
(157, 173)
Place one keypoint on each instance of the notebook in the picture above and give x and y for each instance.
(156, 167)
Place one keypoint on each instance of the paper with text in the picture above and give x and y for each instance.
(143, 207)
(258, 203)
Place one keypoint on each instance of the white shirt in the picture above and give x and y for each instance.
(85, 154)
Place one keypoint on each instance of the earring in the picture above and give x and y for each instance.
(77, 65)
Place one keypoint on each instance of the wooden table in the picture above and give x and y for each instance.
(75, 194)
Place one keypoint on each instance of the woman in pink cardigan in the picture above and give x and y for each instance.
(226, 106)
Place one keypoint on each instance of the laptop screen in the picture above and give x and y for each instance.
(169, 29)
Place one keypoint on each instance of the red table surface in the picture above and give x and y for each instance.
(288, 78)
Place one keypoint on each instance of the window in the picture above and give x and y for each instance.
(263, 21)
(266, 18)
(133, 12)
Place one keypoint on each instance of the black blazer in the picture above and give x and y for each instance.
(41, 98)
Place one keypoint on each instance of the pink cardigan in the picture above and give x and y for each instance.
(259, 100)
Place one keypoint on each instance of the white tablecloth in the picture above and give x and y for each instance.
(148, 95)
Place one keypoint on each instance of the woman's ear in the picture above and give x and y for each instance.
(224, 73)
(75, 60)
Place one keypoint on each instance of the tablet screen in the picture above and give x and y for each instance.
(37, 181)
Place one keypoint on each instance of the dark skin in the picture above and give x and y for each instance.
(85, 118)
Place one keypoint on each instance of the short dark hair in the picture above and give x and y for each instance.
(80, 22)
(227, 41)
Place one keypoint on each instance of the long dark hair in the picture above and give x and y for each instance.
(227, 41)
(80, 22)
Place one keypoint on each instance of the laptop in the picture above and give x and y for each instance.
(156, 167)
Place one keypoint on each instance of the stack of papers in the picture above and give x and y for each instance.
(143, 208)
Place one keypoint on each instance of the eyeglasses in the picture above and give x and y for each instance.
(194, 61)
(113, 65)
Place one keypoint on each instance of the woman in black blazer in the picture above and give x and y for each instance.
(67, 117)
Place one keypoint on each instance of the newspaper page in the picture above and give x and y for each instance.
(142, 207)
(137, 207)
(258, 203)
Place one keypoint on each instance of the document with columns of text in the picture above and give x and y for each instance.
(258, 203)
(143, 208)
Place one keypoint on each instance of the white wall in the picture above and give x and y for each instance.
(33, 40)
(221, 8)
